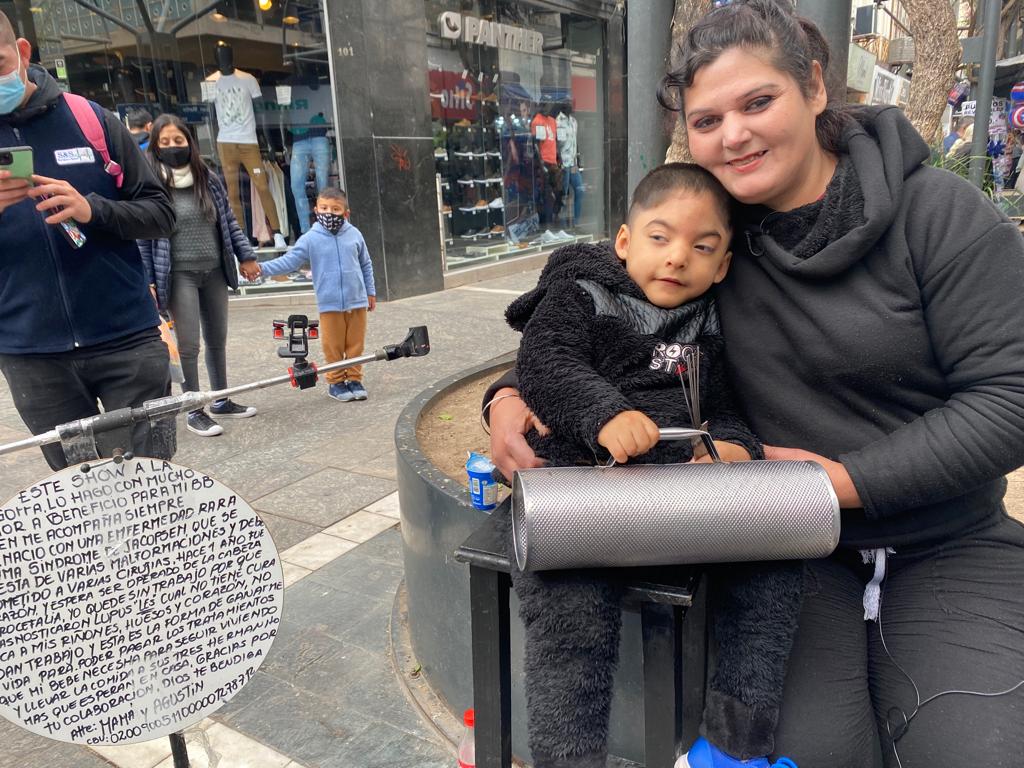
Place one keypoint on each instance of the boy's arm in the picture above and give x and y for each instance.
(718, 404)
(556, 377)
(367, 266)
(289, 261)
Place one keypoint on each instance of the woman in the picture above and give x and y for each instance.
(873, 321)
(193, 269)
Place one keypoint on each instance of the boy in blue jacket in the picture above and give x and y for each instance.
(343, 280)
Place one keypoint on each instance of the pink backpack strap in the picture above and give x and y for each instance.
(89, 122)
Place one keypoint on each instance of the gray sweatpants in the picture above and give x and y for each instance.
(199, 301)
(952, 616)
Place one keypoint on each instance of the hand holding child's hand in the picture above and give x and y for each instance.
(250, 269)
(628, 434)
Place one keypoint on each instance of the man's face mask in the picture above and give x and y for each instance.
(12, 90)
(332, 222)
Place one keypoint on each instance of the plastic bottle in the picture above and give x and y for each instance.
(467, 747)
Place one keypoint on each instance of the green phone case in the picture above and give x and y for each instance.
(20, 166)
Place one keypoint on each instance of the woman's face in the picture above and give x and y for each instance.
(171, 136)
(750, 125)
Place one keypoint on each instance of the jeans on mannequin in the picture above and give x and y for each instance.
(572, 177)
(319, 148)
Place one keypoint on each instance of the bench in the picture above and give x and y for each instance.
(673, 701)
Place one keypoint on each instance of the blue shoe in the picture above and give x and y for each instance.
(703, 754)
(357, 389)
(341, 392)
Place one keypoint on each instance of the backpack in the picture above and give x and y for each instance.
(87, 117)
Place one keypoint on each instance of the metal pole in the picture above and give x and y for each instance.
(648, 39)
(179, 750)
(833, 19)
(983, 99)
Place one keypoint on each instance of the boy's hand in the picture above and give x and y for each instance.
(250, 269)
(373, 303)
(726, 451)
(630, 433)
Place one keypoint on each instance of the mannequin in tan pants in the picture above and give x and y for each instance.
(248, 156)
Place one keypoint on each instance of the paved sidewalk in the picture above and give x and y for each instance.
(321, 474)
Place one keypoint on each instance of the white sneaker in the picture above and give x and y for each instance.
(279, 241)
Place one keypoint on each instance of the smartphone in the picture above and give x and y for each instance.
(17, 161)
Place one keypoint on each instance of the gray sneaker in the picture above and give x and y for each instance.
(201, 424)
(341, 392)
(227, 409)
(357, 389)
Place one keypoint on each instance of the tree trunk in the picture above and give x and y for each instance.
(687, 13)
(936, 59)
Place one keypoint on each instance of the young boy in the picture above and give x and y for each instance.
(343, 280)
(603, 338)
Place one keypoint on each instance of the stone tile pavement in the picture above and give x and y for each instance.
(321, 474)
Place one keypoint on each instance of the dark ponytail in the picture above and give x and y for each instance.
(770, 25)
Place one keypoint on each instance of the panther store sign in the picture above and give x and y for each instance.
(456, 26)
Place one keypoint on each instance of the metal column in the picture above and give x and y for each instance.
(833, 18)
(983, 97)
(648, 37)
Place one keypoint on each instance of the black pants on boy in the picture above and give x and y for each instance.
(572, 621)
(54, 389)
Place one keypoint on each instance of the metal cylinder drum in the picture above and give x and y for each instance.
(582, 517)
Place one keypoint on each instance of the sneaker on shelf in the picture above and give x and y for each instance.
(228, 409)
(563, 234)
(703, 754)
(446, 209)
(279, 241)
(340, 392)
(497, 229)
(548, 237)
(497, 202)
(302, 277)
(463, 123)
(357, 389)
(201, 424)
(481, 204)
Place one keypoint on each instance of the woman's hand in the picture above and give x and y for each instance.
(837, 474)
(727, 452)
(510, 420)
(250, 269)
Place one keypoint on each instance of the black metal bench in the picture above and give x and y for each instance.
(673, 702)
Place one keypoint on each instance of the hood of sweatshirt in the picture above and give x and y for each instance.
(43, 99)
(883, 149)
(593, 262)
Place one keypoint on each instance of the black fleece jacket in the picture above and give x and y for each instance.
(593, 347)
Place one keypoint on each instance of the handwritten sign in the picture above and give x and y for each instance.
(135, 599)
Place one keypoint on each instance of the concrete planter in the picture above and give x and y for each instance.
(436, 518)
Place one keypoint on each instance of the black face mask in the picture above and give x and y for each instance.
(332, 222)
(174, 157)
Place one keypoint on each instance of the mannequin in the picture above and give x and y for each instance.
(232, 92)
(568, 153)
(545, 132)
(309, 142)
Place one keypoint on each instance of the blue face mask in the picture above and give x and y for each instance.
(12, 91)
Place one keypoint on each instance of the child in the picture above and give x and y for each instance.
(603, 334)
(343, 280)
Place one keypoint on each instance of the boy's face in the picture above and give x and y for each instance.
(330, 205)
(675, 251)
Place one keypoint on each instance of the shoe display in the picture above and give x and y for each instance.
(497, 229)
(340, 392)
(228, 409)
(199, 423)
(497, 202)
(463, 123)
(481, 204)
(279, 241)
(446, 210)
(357, 389)
(703, 754)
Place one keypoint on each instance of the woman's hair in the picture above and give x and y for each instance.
(769, 25)
(200, 173)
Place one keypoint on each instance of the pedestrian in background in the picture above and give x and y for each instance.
(343, 281)
(192, 269)
(140, 123)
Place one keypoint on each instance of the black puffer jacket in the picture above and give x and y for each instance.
(593, 346)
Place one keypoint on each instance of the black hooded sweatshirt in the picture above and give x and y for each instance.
(593, 347)
(890, 338)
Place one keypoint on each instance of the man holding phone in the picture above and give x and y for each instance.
(78, 327)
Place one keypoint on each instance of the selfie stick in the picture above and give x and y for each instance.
(415, 344)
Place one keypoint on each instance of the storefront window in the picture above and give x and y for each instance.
(250, 77)
(518, 117)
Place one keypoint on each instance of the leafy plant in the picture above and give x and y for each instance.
(962, 166)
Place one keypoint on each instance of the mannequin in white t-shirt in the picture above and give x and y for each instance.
(567, 132)
(232, 92)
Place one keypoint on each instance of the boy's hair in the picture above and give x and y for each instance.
(138, 118)
(7, 34)
(333, 193)
(673, 177)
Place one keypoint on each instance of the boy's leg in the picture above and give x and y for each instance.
(756, 608)
(355, 340)
(332, 341)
